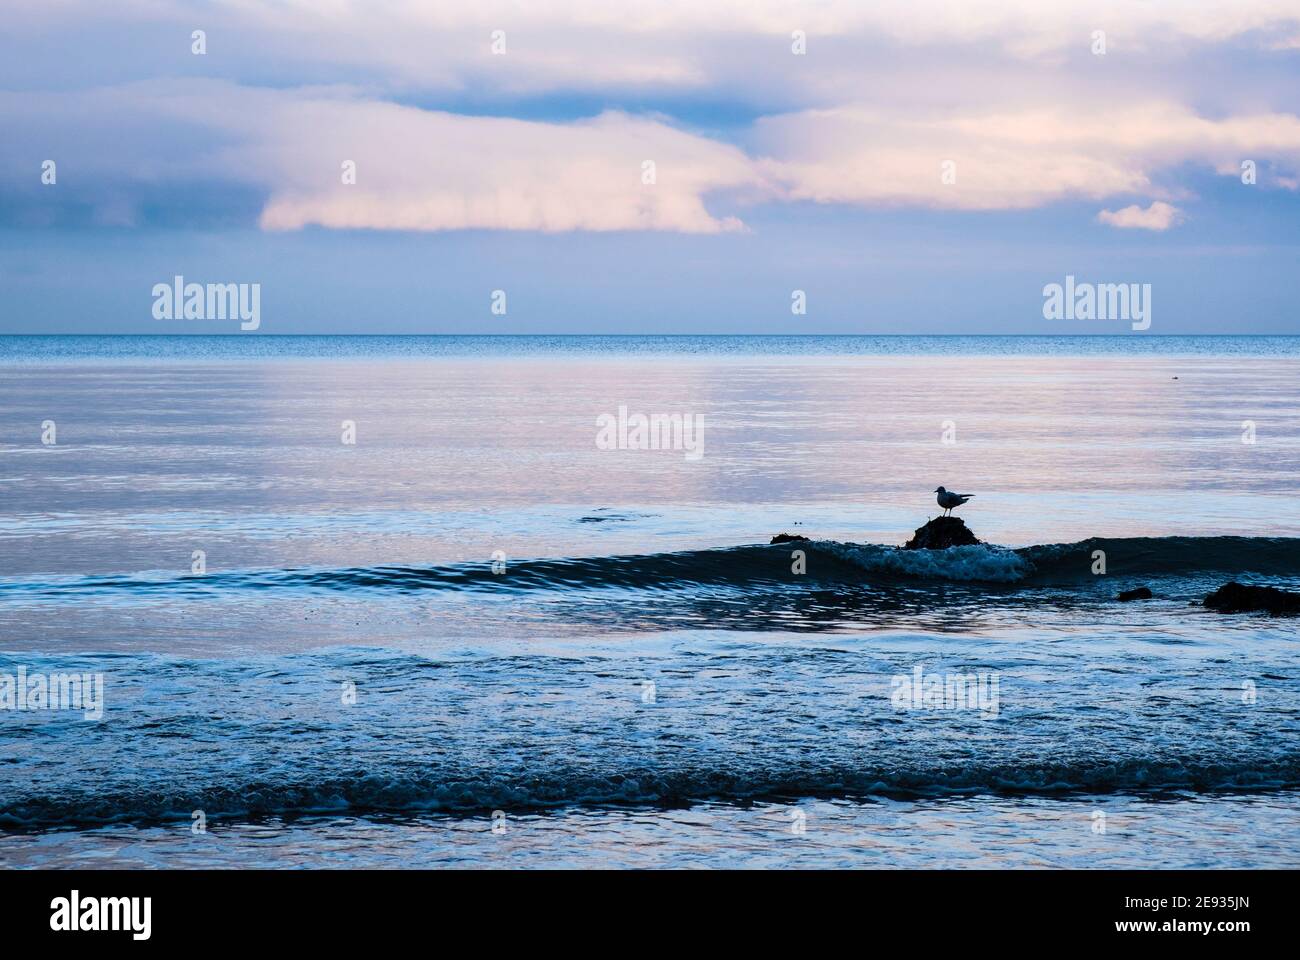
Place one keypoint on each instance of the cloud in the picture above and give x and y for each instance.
(1159, 216)
(938, 104)
(429, 170)
(433, 170)
(1006, 160)
(736, 47)
(415, 169)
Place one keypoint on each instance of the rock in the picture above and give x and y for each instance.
(789, 538)
(940, 534)
(1238, 598)
(1139, 593)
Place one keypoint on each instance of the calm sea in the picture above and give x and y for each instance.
(392, 601)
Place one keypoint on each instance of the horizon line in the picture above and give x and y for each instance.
(791, 336)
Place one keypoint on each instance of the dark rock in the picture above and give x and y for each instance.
(940, 534)
(1138, 593)
(1238, 598)
(789, 538)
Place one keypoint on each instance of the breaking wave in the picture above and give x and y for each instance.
(465, 794)
(981, 562)
(740, 566)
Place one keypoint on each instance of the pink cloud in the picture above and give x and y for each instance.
(1159, 216)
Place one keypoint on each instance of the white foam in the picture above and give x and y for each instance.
(984, 561)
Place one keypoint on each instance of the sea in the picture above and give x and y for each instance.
(512, 602)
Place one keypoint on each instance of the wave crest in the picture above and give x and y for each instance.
(741, 567)
(978, 562)
(548, 789)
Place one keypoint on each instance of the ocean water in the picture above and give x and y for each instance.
(474, 637)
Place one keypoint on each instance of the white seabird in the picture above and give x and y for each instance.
(951, 500)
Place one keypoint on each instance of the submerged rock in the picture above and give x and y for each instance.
(1235, 597)
(789, 538)
(1138, 593)
(940, 534)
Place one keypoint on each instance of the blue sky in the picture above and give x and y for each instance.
(773, 170)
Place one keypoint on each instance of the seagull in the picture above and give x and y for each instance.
(950, 500)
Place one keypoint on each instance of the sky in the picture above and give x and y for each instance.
(677, 167)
